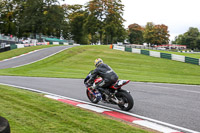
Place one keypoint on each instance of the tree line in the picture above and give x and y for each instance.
(24, 17)
(151, 34)
(98, 21)
(191, 39)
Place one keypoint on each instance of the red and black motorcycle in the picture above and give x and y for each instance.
(114, 94)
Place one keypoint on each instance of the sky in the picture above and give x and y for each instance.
(178, 15)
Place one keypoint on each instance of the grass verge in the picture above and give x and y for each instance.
(76, 62)
(16, 52)
(29, 112)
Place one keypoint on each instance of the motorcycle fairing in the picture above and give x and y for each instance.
(97, 80)
(119, 84)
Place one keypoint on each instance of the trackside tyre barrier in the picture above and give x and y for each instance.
(4, 125)
(175, 57)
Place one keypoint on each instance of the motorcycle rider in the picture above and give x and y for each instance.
(106, 73)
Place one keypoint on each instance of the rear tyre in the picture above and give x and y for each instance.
(126, 100)
(92, 97)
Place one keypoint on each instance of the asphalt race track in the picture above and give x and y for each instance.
(32, 57)
(172, 103)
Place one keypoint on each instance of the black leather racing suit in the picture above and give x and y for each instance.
(106, 73)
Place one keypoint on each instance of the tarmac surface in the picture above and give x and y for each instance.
(171, 103)
(31, 57)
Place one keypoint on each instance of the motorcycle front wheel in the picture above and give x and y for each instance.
(126, 101)
(92, 97)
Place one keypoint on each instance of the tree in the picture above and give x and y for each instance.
(77, 17)
(95, 21)
(107, 21)
(161, 35)
(135, 34)
(100, 20)
(54, 20)
(156, 34)
(42, 16)
(91, 27)
(198, 43)
(179, 40)
(7, 17)
(149, 33)
(114, 20)
(25, 17)
(191, 38)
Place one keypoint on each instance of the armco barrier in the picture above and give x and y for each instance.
(159, 55)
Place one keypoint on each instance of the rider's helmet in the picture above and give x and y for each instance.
(97, 62)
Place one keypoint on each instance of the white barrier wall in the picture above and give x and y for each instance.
(137, 51)
(154, 54)
(119, 48)
(175, 57)
(55, 43)
(20, 45)
(178, 57)
(65, 43)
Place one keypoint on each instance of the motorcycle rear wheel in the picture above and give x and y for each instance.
(126, 100)
(92, 97)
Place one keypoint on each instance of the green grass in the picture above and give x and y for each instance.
(193, 55)
(76, 62)
(29, 112)
(16, 52)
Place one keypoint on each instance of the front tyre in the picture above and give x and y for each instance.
(125, 100)
(93, 97)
